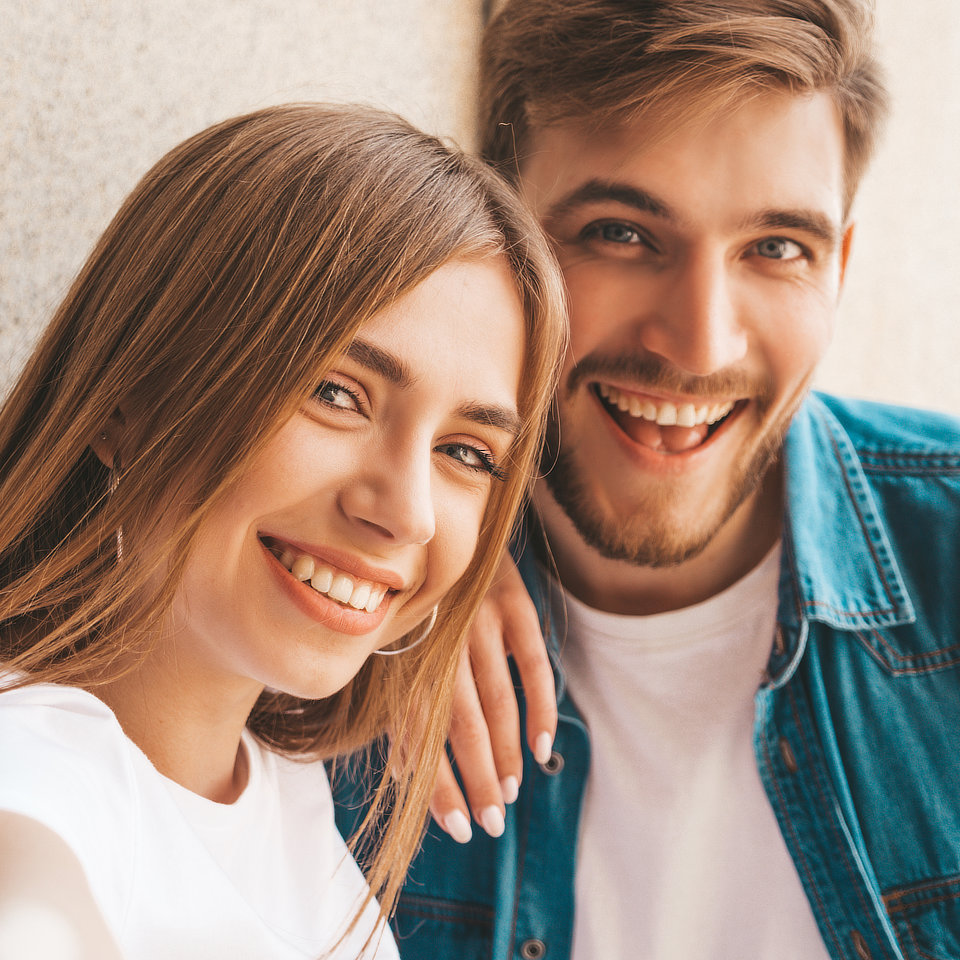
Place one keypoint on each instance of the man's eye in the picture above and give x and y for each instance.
(336, 395)
(613, 232)
(779, 248)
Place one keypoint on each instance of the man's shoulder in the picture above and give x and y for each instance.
(890, 433)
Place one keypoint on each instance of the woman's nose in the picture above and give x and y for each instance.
(392, 495)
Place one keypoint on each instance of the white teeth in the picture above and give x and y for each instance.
(322, 580)
(719, 411)
(359, 594)
(376, 595)
(665, 414)
(341, 589)
(302, 568)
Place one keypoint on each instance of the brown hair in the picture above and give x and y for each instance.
(238, 269)
(550, 61)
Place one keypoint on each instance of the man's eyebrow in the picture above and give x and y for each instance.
(381, 362)
(605, 191)
(493, 415)
(814, 222)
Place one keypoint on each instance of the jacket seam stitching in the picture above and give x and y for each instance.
(803, 864)
(910, 658)
(839, 841)
(899, 893)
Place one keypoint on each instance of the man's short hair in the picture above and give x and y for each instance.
(662, 61)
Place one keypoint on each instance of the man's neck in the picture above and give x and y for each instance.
(618, 586)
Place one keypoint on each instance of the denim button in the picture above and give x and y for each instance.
(860, 945)
(553, 765)
(533, 949)
(789, 757)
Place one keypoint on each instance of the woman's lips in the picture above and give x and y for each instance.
(324, 607)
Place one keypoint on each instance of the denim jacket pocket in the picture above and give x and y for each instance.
(926, 918)
(422, 925)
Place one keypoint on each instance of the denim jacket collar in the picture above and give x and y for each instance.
(838, 555)
(838, 566)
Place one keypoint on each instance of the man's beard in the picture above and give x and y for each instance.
(652, 536)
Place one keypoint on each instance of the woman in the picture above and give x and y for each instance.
(281, 423)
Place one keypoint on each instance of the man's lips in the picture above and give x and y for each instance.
(667, 426)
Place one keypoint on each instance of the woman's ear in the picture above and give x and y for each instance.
(106, 442)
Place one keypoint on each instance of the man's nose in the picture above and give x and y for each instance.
(695, 323)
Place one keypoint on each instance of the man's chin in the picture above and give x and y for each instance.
(659, 530)
(665, 543)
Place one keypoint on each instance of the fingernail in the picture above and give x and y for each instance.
(458, 826)
(510, 788)
(491, 819)
(542, 748)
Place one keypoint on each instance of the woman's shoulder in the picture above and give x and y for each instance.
(63, 757)
(52, 723)
(65, 764)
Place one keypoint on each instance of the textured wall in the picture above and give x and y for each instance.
(899, 331)
(93, 91)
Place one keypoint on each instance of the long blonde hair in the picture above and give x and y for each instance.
(239, 268)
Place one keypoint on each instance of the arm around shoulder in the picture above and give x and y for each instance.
(47, 910)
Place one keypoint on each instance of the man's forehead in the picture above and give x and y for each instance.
(775, 149)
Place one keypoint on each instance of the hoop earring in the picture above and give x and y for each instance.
(423, 636)
(113, 483)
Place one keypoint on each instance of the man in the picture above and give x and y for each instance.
(747, 590)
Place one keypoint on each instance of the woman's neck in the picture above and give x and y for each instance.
(189, 731)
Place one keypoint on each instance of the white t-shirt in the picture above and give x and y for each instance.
(680, 855)
(176, 875)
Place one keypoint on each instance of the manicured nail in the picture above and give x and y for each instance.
(458, 826)
(542, 748)
(491, 819)
(510, 788)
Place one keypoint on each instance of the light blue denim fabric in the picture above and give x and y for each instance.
(857, 733)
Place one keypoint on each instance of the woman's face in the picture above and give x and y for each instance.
(365, 507)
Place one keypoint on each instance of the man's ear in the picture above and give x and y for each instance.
(107, 441)
(845, 245)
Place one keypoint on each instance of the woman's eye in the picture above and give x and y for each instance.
(779, 248)
(472, 458)
(335, 394)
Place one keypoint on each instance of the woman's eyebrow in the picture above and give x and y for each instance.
(380, 361)
(392, 368)
(492, 415)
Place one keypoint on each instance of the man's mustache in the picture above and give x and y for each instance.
(651, 372)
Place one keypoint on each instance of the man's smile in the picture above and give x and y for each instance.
(666, 426)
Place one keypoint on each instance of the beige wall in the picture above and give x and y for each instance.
(93, 91)
(899, 331)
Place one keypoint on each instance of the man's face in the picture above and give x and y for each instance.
(704, 268)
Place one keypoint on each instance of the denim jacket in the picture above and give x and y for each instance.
(857, 730)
